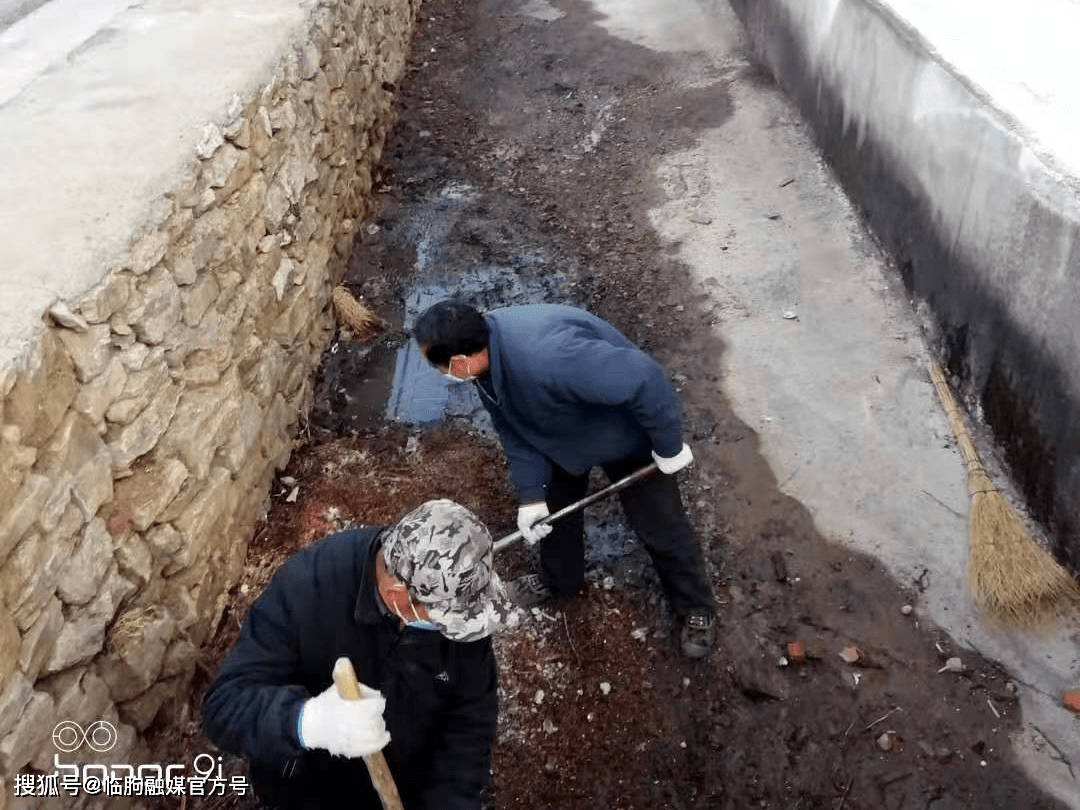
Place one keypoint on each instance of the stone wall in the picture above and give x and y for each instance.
(140, 435)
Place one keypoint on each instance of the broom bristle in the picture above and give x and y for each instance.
(353, 315)
(1013, 579)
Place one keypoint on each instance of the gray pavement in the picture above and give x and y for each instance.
(826, 360)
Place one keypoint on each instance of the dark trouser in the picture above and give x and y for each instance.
(655, 513)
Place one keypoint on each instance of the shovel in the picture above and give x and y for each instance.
(611, 489)
(349, 688)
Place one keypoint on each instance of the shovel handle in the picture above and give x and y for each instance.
(610, 489)
(348, 687)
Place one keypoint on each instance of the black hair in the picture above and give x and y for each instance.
(450, 328)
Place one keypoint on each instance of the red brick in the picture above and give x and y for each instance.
(796, 652)
(1071, 699)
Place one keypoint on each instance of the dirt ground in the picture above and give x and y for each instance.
(598, 709)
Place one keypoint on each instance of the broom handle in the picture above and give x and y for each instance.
(349, 688)
(956, 421)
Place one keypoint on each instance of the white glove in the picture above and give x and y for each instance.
(528, 514)
(345, 728)
(676, 462)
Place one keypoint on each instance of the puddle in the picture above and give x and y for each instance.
(418, 394)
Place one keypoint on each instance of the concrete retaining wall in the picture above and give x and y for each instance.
(983, 222)
(146, 411)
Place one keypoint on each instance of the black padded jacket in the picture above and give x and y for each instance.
(441, 699)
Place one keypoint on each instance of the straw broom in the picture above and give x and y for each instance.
(1012, 579)
(354, 316)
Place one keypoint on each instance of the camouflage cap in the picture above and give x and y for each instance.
(444, 554)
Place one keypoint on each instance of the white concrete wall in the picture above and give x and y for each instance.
(964, 173)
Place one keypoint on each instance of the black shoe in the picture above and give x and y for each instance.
(697, 633)
(528, 591)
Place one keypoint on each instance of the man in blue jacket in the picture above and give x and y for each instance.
(567, 392)
(413, 608)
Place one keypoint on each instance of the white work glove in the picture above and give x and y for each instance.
(528, 514)
(676, 462)
(345, 728)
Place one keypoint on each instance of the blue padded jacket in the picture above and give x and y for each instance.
(567, 387)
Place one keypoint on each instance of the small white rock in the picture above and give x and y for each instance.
(608, 583)
(782, 661)
(906, 610)
(790, 315)
(62, 314)
(639, 634)
(685, 682)
(209, 142)
(291, 497)
(605, 687)
(538, 698)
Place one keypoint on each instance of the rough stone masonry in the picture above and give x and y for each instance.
(140, 435)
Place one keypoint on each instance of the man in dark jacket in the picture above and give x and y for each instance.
(567, 392)
(413, 608)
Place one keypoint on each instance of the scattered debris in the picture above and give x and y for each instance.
(887, 741)
(884, 717)
(791, 315)
(787, 181)
(850, 655)
(952, 665)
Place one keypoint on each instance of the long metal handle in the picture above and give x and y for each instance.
(349, 688)
(611, 489)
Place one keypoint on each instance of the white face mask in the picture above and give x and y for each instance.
(467, 378)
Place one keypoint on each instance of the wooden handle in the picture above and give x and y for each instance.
(952, 410)
(349, 688)
(978, 478)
